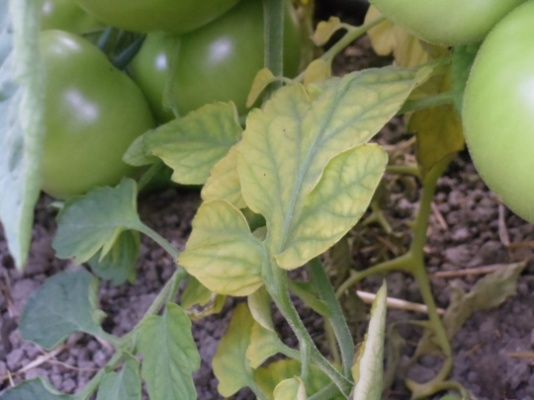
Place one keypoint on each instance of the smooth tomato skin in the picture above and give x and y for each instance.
(66, 15)
(447, 22)
(93, 113)
(219, 62)
(498, 111)
(150, 69)
(173, 16)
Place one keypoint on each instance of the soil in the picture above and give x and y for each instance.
(469, 228)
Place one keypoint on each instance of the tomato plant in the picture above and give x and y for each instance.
(67, 16)
(450, 22)
(174, 16)
(219, 62)
(93, 113)
(498, 111)
(150, 69)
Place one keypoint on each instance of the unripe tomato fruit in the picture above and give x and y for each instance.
(173, 16)
(498, 110)
(446, 22)
(93, 112)
(66, 15)
(150, 69)
(219, 61)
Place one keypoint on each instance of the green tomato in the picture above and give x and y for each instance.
(150, 69)
(219, 62)
(66, 15)
(498, 111)
(173, 16)
(93, 113)
(446, 22)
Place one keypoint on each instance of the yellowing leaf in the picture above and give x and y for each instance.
(198, 301)
(325, 30)
(190, 145)
(262, 79)
(230, 364)
(368, 369)
(259, 303)
(290, 389)
(317, 71)
(264, 344)
(382, 36)
(223, 182)
(221, 252)
(335, 204)
(287, 146)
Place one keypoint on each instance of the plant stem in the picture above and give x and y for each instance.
(93, 384)
(320, 280)
(174, 253)
(273, 33)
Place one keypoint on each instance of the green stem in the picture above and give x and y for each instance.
(156, 237)
(404, 170)
(154, 170)
(273, 33)
(320, 280)
(276, 283)
(439, 99)
(328, 392)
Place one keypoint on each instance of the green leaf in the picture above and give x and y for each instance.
(92, 223)
(170, 355)
(259, 304)
(119, 265)
(63, 305)
(21, 123)
(123, 385)
(221, 252)
(290, 389)
(223, 182)
(34, 389)
(230, 364)
(368, 369)
(190, 145)
(489, 292)
(287, 146)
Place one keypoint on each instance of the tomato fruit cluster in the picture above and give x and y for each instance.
(447, 22)
(498, 110)
(93, 113)
(173, 16)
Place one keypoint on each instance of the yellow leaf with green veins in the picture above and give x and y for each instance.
(221, 252)
(264, 344)
(287, 146)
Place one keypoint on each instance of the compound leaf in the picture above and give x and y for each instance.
(21, 122)
(287, 145)
(93, 223)
(170, 355)
(63, 305)
(190, 145)
(34, 389)
(123, 385)
(368, 369)
(221, 252)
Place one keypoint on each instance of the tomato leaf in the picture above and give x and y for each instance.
(118, 265)
(198, 301)
(264, 343)
(21, 122)
(223, 182)
(259, 304)
(221, 252)
(230, 364)
(93, 223)
(190, 145)
(325, 30)
(63, 305)
(288, 145)
(35, 389)
(290, 389)
(368, 369)
(123, 385)
(170, 355)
